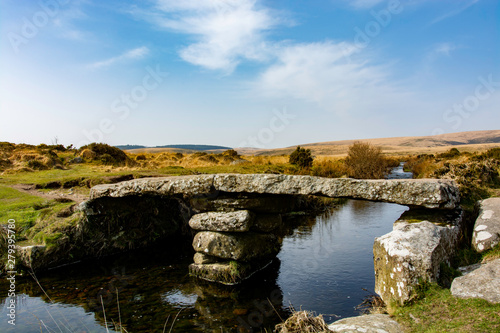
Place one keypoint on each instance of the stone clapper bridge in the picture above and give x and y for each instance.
(237, 218)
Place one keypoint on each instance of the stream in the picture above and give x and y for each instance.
(324, 265)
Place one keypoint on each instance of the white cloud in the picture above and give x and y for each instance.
(331, 75)
(227, 31)
(134, 54)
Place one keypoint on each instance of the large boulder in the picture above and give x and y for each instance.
(413, 252)
(237, 246)
(482, 282)
(487, 227)
(430, 193)
(374, 323)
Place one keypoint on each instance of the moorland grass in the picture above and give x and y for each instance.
(439, 311)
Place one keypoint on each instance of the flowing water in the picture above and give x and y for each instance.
(325, 265)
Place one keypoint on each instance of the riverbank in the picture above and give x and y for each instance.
(43, 201)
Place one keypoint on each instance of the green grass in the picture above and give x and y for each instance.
(46, 176)
(31, 213)
(18, 206)
(439, 311)
(492, 254)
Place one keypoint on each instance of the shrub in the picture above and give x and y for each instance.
(493, 153)
(330, 169)
(140, 157)
(231, 153)
(453, 152)
(36, 165)
(104, 153)
(208, 158)
(421, 166)
(366, 161)
(7, 146)
(302, 158)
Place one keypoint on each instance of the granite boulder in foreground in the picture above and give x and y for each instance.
(430, 193)
(414, 251)
(483, 282)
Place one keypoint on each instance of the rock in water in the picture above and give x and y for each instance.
(483, 282)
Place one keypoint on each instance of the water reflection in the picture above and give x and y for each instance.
(151, 288)
(323, 264)
(326, 270)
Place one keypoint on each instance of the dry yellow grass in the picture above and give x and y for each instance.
(198, 160)
(303, 322)
(463, 141)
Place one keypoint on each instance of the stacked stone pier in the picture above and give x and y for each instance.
(238, 235)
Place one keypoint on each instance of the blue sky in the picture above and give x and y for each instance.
(237, 73)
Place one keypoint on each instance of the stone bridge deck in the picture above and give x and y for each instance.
(429, 193)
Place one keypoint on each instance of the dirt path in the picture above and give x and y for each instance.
(53, 194)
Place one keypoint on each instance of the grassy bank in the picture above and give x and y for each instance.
(437, 310)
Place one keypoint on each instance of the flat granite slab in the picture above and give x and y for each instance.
(429, 193)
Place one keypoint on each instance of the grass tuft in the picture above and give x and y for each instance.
(303, 322)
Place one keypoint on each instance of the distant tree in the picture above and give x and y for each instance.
(301, 157)
(366, 161)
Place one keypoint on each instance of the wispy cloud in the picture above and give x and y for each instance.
(363, 4)
(66, 19)
(437, 52)
(453, 12)
(444, 49)
(226, 31)
(134, 54)
(323, 73)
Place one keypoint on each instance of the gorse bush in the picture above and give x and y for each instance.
(302, 158)
(106, 154)
(366, 161)
(452, 153)
(330, 169)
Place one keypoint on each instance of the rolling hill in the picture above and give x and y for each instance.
(466, 141)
